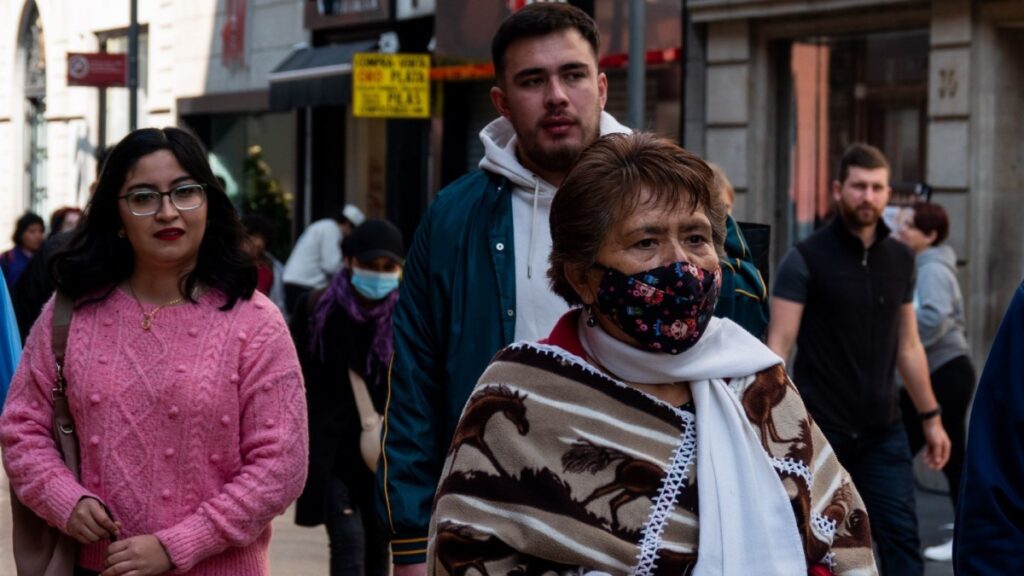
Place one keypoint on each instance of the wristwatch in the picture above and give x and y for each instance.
(931, 413)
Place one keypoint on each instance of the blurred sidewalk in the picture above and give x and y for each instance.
(294, 551)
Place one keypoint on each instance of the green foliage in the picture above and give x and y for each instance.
(262, 195)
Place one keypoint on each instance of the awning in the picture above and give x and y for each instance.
(320, 76)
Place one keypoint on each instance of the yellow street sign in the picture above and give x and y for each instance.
(391, 85)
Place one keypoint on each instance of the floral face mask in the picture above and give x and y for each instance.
(666, 309)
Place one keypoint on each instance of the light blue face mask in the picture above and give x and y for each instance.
(374, 285)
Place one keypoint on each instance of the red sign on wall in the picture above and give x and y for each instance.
(233, 35)
(97, 69)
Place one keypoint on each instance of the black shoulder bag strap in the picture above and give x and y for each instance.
(40, 549)
(63, 425)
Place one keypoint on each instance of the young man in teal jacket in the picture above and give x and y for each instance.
(475, 278)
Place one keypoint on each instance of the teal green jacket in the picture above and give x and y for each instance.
(744, 296)
(456, 310)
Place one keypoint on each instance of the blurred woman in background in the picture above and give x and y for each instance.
(64, 220)
(29, 234)
(343, 333)
(940, 321)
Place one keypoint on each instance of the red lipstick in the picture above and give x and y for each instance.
(169, 234)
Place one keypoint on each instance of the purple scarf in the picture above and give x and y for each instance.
(341, 294)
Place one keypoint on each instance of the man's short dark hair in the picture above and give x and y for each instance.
(541, 19)
(861, 155)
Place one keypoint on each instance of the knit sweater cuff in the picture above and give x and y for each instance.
(189, 542)
(409, 550)
(62, 497)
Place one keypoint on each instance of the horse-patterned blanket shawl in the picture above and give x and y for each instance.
(555, 467)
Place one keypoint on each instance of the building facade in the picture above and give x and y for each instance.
(784, 86)
(203, 64)
(772, 90)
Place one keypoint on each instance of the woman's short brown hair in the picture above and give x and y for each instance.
(606, 184)
(930, 218)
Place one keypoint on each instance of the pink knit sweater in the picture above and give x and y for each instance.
(194, 431)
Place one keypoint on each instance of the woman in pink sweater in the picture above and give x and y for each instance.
(184, 385)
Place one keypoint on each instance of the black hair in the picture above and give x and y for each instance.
(541, 19)
(340, 218)
(256, 225)
(861, 155)
(96, 259)
(27, 219)
(101, 159)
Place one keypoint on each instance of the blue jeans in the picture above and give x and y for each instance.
(881, 467)
(358, 544)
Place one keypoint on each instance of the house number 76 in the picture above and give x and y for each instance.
(947, 83)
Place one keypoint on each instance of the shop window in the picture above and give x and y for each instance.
(333, 7)
(328, 14)
(839, 90)
(254, 156)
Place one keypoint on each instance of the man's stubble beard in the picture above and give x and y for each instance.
(852, 217)
(560, 158)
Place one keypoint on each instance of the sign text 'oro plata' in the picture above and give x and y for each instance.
(391, 85)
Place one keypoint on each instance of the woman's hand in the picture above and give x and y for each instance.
(136, 556)
(90, 523)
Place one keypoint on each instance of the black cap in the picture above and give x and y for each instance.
(373, 239)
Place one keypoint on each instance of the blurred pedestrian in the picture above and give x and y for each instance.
(345, 340)
(844, 296)
(475, 281)
(989, 534)
(64, 220)
(641, 395)
(35, 286)
(744, 297)
(317, 254)
(10, 342)
(259, 233)
(29, 233)
(940, 322)
(183, 384)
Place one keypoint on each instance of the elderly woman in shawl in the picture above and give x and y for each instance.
(644, 436)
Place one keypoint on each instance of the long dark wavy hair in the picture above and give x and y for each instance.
(96, 259)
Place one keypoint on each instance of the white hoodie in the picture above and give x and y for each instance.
(537, 307)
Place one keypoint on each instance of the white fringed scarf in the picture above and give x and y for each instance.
(747, 524)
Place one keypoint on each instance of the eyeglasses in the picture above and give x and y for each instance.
(145, 202)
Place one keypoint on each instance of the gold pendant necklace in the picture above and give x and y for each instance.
(147, 317)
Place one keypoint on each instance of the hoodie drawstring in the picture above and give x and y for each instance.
(533, 228)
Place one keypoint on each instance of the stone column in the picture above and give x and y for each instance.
(996, 167)
(728, 101)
